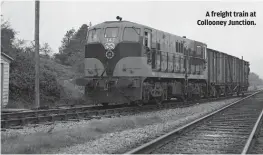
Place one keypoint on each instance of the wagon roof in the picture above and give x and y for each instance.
(226, 54)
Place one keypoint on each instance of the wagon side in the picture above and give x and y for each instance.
(226, 74)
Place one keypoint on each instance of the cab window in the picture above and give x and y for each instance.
(93, 35)
(147, 38)
(204, 55)
(199, 51)
(111, 32)
(131, 34)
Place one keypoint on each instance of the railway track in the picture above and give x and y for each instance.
(232, 129)
(17, 120)
(257, 143)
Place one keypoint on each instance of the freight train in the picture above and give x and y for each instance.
(126, 62)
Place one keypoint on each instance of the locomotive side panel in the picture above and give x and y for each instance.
(177, 62)
(166, 42)
(162, 41)
(163, 61)
(154, 39)
(170, 62)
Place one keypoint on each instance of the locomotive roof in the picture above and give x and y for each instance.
(129, 23)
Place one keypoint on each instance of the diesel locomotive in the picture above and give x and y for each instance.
(126, 62)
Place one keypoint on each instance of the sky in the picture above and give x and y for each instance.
(177, 17)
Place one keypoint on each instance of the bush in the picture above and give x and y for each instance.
(22, 70)
(22, 81)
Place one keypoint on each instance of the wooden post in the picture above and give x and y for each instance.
(37, 104)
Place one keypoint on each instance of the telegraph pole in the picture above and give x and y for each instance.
(37, 53)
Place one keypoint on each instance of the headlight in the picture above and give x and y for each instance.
(109, 54)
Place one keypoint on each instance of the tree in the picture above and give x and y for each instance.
(22, 71)
(66, 40)
(19, 43)
(61, 57)
(254, 79)
(7, 38)
(72, 50)
(45, 50)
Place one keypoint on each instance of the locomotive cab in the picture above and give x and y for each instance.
(115, 63)
(110, 43)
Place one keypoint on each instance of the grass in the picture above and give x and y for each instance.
(42, 142)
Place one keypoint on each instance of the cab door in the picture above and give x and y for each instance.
(147, 43)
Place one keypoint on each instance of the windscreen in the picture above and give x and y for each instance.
(131, 34)
(93, 35)
(111, 32)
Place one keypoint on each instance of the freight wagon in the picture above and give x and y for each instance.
(227, 74)
(126, 62)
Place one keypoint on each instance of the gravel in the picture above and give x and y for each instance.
(120, 142)
(115, 138)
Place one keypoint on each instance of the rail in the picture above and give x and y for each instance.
(19, 119)
(152, 145)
